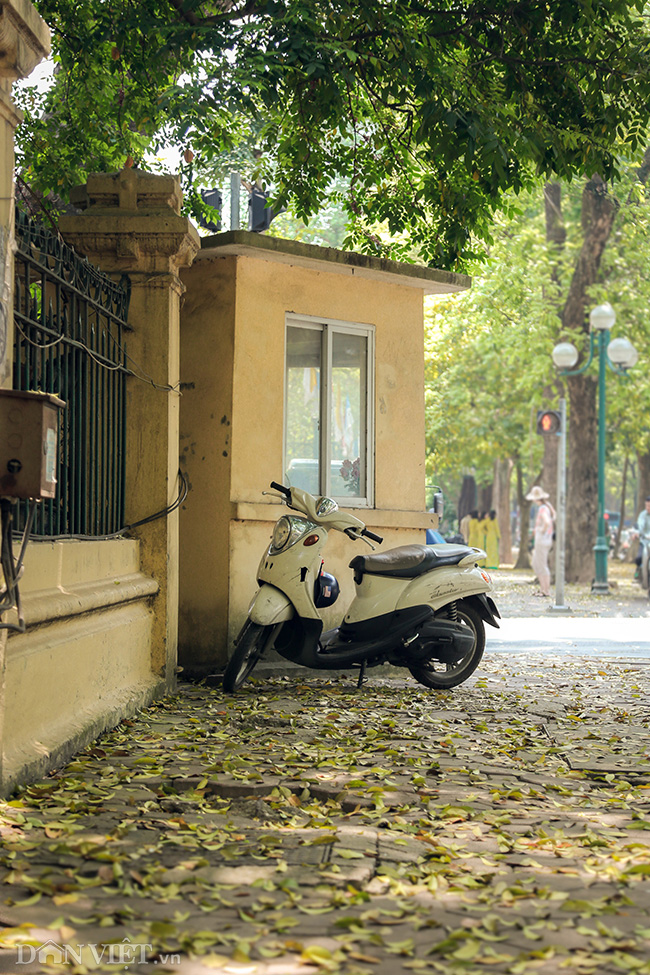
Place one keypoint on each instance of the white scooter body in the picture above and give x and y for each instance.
(287, 578)
(422, 607)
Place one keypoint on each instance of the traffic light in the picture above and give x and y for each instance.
(549, 421)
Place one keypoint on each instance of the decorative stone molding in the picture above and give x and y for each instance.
(24, 39)
(134, 217)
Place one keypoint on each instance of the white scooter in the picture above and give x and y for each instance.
(422, 607)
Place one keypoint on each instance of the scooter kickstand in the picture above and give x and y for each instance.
(362, 674)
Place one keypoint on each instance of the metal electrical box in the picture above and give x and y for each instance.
(29, 424)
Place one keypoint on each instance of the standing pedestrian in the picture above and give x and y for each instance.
(474, 537)
(492, 536)
(543, 535)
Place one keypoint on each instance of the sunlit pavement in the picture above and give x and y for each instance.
(593, 637)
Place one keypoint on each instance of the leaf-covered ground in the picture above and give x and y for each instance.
(302, 826)
(514, 593)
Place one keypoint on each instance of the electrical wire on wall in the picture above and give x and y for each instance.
(12, 569)
(183, 491)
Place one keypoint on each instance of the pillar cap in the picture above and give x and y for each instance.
(130, 190)
(131, 222)
(24, 38)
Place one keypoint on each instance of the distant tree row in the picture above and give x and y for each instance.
(568, 248)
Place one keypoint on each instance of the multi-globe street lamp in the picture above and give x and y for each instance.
(620, 355)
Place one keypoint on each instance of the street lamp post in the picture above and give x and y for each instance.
(620, 355)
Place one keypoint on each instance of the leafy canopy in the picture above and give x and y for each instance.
(430, 110)
(488, 351)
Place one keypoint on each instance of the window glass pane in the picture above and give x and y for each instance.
(303, 408)
(348, 416)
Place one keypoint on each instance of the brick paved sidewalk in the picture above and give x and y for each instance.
(302, 826)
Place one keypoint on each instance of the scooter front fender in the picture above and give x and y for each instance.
(270, 606)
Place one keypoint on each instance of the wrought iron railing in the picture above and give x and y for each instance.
(70, 321)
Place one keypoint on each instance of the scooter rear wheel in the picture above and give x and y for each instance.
(434, 673)
(250, 646)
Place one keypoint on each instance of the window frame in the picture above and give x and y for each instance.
(328, 327)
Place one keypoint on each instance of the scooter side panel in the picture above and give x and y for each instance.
(270, 606)
(375, 596)
(442, 585)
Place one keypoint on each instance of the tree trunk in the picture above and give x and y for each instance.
(467, 500)
(485, 498)
(524, 506)
(555, 229)
(502, 473)
(598, 215)
(582, 486)
(643, 482)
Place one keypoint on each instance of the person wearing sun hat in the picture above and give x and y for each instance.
(544, 529)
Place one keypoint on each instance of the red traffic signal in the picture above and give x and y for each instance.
(549, 421)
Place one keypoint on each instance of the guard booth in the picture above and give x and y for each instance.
(303, 365)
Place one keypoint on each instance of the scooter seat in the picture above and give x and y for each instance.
(407, 561)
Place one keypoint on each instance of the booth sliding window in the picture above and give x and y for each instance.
(328, 415)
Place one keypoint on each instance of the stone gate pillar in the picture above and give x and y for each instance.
(131, 224)
(24, 41)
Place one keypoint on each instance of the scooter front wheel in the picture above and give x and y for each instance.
(434, 673)
(250, 646)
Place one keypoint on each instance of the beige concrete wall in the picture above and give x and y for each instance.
(266, 291)
(207, 352)
(232, 424)
(84, 662)
(258, 410)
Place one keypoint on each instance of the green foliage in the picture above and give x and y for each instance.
(429, 113)
(488, 356)
(626, 286)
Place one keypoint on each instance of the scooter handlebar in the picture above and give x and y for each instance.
(281, 488)
(368, 534)
(353, 532)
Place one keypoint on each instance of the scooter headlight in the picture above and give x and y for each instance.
(287, 531)
(281, 534)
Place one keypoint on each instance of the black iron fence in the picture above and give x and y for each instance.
(70, 321)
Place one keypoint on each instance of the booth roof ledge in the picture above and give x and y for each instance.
(245, 243)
